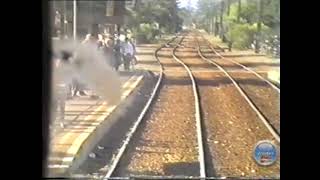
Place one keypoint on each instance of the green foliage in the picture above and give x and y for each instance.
(243, 32)
(271, 15)
(242, 35)
(233, 14)
(165, 13)
(249, 12)
(146, 32)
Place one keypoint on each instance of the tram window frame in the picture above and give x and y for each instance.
(46, 82)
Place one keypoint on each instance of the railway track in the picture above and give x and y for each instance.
(230, 61)
(229, 120)
(152, 153)
(263, 96)
(180, 133)
(166, 145)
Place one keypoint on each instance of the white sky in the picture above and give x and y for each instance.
(184, 3)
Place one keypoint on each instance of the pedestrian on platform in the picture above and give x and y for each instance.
(95, 39)
(127, 52)
(134, 59)
(60, 92)
(108, 52)
(65, 56)
(79, 87)
(117, 54)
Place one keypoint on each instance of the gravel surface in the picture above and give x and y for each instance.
(167, 144)
(112, 140)
(167, 141)
(232, 127)
(257, 62)
(262, 94)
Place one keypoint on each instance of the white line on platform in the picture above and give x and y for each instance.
(83, 136)
(57, 166)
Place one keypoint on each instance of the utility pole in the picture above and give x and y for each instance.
(53, 8)
(228, 9)
(212, 25)
(91, 12)
(258, 37)
(136, 5)
(65, 18)
(239, 11)
(74, 19)
(211, 18)
(216, 28)
(221, 22)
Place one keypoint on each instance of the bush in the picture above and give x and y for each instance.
(242, 35)
(146, 33)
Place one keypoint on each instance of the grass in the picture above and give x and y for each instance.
(213, 39)
(216, 40)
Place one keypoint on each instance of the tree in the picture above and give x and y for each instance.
(163, 13)
(186, 16)
(239, 11)
(228, 7)
(208, 10)
(240, 21)
(258, 39)
(221, 21)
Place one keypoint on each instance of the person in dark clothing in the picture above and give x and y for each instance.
(65, 56)
(108, 52)
(78, 88)
(117, 55)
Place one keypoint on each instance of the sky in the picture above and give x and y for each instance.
(184, 3)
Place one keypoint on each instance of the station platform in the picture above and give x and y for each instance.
(83, 116)
(86, 118)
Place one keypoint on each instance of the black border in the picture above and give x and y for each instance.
(299, 80)
(22, 60)
(26, 50)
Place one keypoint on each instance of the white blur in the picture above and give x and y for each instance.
(89, 66)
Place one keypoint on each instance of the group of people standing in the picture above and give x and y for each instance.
(116, 53)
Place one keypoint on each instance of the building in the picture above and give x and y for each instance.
(110, 15)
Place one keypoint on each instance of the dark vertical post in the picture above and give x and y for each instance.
(46, 83)
(65, 18)
(239, 11)
(258, 39)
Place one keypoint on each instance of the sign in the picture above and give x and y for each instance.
(265, 153)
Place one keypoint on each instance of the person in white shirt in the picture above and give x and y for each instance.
(127, 52)
(96, 40)
(134, 60)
